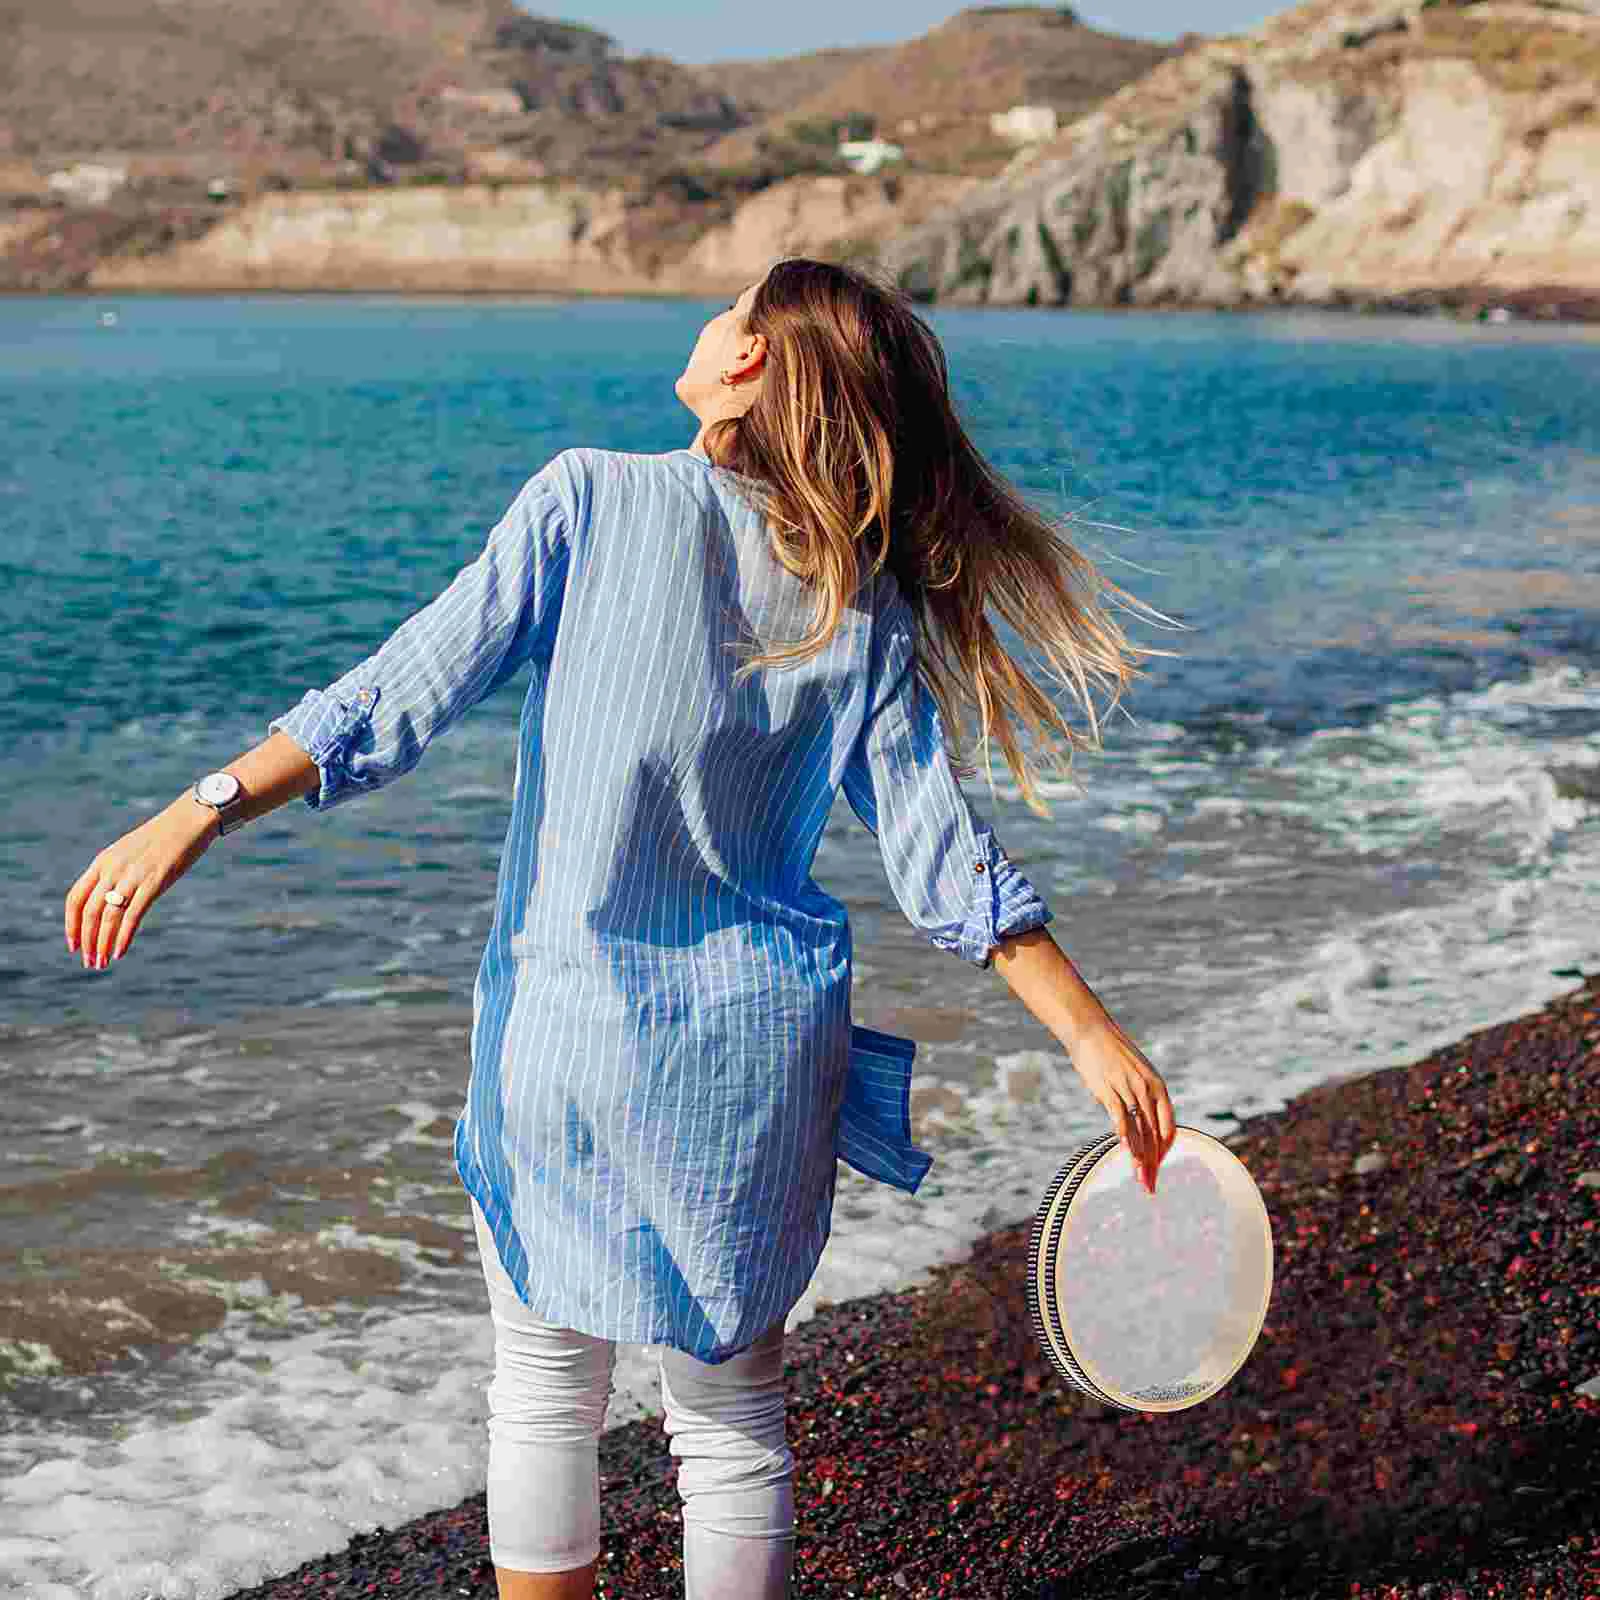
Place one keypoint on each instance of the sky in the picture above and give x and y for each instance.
(728, 30)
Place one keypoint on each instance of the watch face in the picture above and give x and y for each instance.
(218, 788)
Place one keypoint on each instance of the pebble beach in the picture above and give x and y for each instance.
(1419, 1419)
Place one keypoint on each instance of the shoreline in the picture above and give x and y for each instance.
(1541, 307)
(1418, 1421)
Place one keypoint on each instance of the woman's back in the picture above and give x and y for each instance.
(675, 804)
(664, 1065)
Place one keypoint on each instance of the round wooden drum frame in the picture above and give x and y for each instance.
(1050, 1313)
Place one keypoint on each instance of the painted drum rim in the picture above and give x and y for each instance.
(1044, 1246)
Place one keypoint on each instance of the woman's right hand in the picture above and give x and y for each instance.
(143, 865)
(1113, 1066)
(1122, 1079)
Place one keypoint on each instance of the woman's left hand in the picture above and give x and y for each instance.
(141, 866)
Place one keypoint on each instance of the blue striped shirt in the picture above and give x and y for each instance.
(664, 1068)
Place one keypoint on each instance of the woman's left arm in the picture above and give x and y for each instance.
(956, 884)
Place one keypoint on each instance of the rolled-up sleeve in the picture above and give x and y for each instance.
(372, 724)
(945, 866)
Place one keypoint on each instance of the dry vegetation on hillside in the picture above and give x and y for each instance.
(390, 86)
(1519, 53)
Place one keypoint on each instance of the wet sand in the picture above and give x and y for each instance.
(1412, 1423)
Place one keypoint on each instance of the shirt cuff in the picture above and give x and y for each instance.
(326, 728)
(1003, 903)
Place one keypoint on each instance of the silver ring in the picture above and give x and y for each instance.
(115, 897)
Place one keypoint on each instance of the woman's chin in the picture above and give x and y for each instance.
(697, 395)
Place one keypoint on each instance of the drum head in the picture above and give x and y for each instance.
(1150, 1302)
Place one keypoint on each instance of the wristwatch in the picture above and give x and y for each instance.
(223, 793)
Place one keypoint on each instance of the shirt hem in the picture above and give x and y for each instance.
(475, 1181)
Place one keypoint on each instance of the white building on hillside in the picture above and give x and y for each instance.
(89, 183)
(1024, 124)
(867, 155)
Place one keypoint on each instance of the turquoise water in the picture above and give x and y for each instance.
(309, 471)
(211, 505)
(1356, 816)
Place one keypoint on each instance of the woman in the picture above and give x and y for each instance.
(664, 1070)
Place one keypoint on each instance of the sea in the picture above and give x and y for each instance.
(1353, 815)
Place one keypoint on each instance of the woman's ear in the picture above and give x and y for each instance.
(751, 357)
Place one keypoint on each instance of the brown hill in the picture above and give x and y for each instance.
(933, 95)
(297, 84)
(775, 83)
(450, 107)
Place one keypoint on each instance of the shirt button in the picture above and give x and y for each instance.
(977, 866)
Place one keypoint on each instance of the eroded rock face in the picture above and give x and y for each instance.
(1358, 152)
(1468, 186)
(526, 236)
(817, 215)
(448, 237)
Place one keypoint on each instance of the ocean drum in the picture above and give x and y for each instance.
(1150, 1302)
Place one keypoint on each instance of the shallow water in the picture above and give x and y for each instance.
(239, 1310)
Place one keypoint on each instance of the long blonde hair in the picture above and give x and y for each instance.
(861, 463)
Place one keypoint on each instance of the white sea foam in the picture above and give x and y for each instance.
(279, 1465)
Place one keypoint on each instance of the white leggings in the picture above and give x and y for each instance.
(725, 1424)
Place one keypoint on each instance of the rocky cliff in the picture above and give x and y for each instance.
(1343, 152)
(467, 237)
(835, 217)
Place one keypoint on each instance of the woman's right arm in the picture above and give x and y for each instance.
(956, 884)
(145, 863)
(367, 728)
(1116, 1071)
